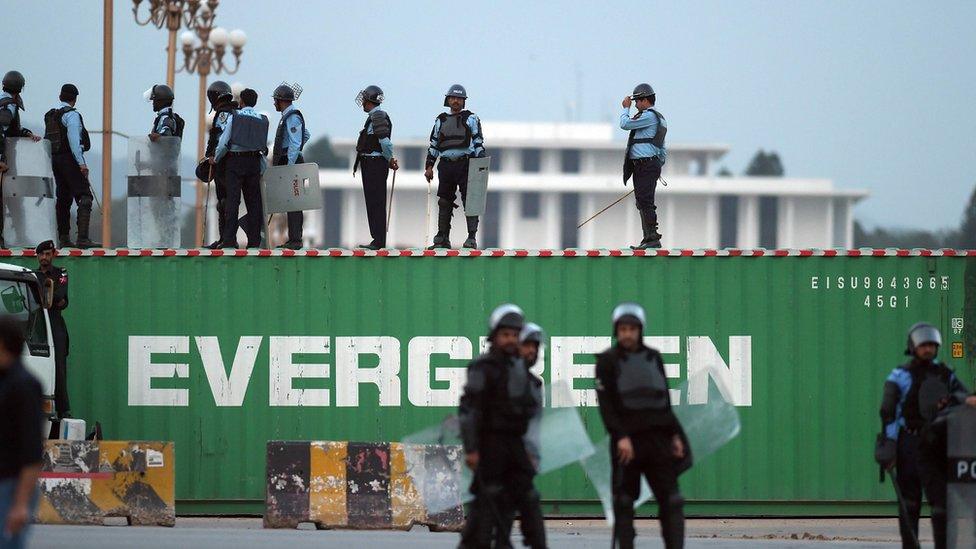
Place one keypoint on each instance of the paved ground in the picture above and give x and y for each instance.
(229, 533)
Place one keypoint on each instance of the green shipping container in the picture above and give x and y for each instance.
(221, 354)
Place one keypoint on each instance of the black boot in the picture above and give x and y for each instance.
(84, 223)
(220, 227)
(64, 241)
(443, 237)
(472, 233)
(652, 239)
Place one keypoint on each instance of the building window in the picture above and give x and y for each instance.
(569, 160)
(728, 215)
(569, 206)
(495, 162)
(531, 160)
(413, 158)
(768, 220)
(489, 223)
(331, 218)
(531, 205)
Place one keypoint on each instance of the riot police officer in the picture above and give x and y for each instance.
(374, 152)
(645, 436)
(167, 123)
(290, 139)
(222, 102)
(65, 129)
(11, 103)
(500, 399)
(644, 158)
(455, 138)
(243, 142)
(914, 393)
(56, 278)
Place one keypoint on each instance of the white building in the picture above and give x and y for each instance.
(546, 178)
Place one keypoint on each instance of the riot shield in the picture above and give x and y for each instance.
(477, 196)
(28, 193)
(961, 453)
(154, 197)
(291, 188)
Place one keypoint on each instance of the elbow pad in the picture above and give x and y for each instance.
(889, 402)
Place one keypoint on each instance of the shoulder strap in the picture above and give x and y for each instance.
(6, 101)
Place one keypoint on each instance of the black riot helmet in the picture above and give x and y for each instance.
(507, 315)
(457, 90)
(161, 96)
(920, 334)
(642, 90)
(219, 91)
(371, 93)
(283, 92)
(13, 82)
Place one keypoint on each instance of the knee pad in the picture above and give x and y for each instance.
(445, 203)
(939, 512)
(532, 497)
(623, 501)
(85, 202)
(676, 500)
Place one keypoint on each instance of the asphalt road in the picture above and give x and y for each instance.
(228, 533)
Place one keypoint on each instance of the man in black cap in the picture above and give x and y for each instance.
(65, 129)
(10, 106)
(50, 275)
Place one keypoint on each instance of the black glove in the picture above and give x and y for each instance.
(885, 451)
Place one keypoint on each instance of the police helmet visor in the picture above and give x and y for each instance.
(925, 334)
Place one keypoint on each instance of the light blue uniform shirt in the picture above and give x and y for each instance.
(646, 124)
(385, 143)
(295, 134)
(224, 145)
(476, 148)
(72, 121)
(161, 127)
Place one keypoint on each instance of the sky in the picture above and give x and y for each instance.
(873, 95)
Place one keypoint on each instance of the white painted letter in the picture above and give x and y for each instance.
(283, 370)
(142, 370)
(385, 375)
(228, 390)
(734, 379)
(563, 367)
(419, 351)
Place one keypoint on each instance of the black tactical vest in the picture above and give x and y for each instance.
(279, 156)
(178, 123)
(657, 140)
(249, 133)
(641, 383)
(370, 142)
(14, 129)
(454, 132)
(929, 385)
(213, 136)
(57, 133)
(514, 403)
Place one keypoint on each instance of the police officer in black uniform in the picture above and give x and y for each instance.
(11, 103)
(167, 123)
(64, 127)
(914, 394)
(498, 403)
(645, 436)
(374, 152)
(222, 102)
(56, 279)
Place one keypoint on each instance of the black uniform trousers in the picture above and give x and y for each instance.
(220, 189)
(654, 460)
(296, 220)
(243, 178)
(375, 170)
(452, 175)
(646, 173)
(917, 469)
(70, 186)
(502, 481)
(62, 405)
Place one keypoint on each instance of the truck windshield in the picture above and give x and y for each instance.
(19, 299)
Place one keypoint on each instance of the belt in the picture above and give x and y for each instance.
(644, 159)
(371, 157)
(244, 154)
(454, 159)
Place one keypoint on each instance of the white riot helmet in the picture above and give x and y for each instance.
(531, 332)
(629, 311)
(920, 334)
(507, 315)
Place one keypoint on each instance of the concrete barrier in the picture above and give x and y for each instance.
(84, 482)
(358, 485)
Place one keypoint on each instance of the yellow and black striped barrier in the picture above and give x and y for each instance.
(363, 486)
(85, 481)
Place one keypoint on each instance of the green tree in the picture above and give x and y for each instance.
(765, 164)
(967, 230)
(320, 151)
(724, 172)
(903, 238)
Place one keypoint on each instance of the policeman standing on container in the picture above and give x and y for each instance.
(644, 158)
(914, 393)
(498, 403)
(56, 278)
(243, 142)
(65, 128)
(290, 139)
(10, 106)
(222, 102)
(455, 138)
(374, 152)
(167, 123)
(645, 436)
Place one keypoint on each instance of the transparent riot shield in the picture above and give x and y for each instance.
(154, 197)
(709, 422)
(28, 193)
(291, 188)
(961, 453)
(477, 196)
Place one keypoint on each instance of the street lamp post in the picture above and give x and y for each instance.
(171, 14)
(203, 52)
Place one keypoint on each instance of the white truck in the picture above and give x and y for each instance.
(25, 299)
